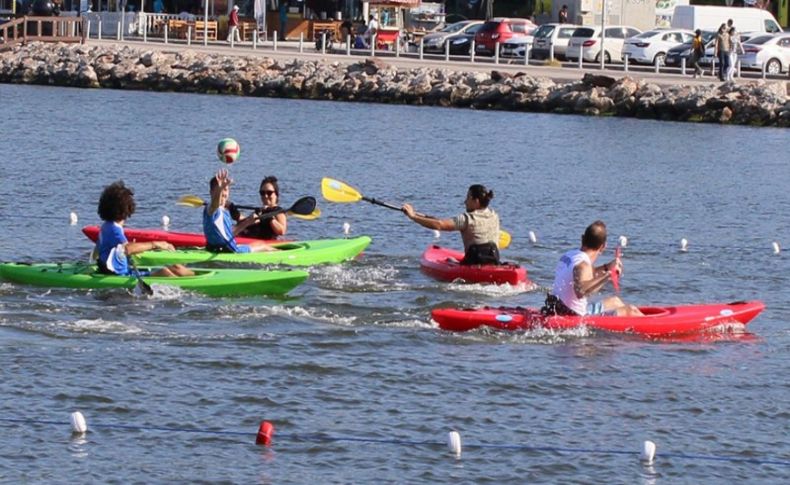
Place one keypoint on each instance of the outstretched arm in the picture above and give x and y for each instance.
(429, 222)
(224, 181)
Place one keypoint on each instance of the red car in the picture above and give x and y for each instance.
(500, 30)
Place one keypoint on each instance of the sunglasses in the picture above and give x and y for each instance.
(267, 193)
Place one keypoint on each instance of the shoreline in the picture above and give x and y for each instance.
(159, 67)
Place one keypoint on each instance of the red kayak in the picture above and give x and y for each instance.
(658, 321)
(443, 264)
(177, 239)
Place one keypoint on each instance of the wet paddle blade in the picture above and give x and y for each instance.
(307, 217)
(504, 239)
(304, 206)
(191, 201)
(337, 191)
(142, 286)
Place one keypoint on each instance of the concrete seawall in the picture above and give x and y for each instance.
(763, 103)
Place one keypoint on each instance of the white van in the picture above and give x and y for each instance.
(694, 17)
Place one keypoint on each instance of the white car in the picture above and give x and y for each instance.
(516, 46)
(652, 46)
(586, 43)
(771, 51)
(552, 34)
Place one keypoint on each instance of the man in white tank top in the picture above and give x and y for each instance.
(577, 277)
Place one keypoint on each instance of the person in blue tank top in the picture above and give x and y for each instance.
(116, 205)
(218, 224)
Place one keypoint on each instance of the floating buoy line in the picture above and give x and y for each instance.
(264, 436)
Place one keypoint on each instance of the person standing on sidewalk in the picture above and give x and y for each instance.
(697, 51)
(233, 24)
(735, 49)
(722, 51)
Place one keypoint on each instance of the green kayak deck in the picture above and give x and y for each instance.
(302, 253)
(211, 282)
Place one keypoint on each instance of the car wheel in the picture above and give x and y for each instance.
(661, 58)
(607, 58)
(773, 66)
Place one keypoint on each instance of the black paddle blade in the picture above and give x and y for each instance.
(304, 206)
(144, 287)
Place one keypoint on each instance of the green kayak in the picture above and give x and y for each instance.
(302, 253)
(219, 282)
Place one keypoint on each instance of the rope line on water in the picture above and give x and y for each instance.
(647, 455)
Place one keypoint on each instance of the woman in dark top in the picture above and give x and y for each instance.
(271, 227)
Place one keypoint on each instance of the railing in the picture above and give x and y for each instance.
(44, 29)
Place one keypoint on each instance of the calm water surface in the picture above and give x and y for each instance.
(353, 352)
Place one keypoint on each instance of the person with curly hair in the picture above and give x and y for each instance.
(116, 205)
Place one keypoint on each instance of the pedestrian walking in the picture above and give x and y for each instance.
(737, 48)
(721, 50)
(233, 24)
(697, 52)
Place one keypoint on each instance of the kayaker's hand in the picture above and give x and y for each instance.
(223, 178)
(617, 265)
(164, 246)
(408, 210)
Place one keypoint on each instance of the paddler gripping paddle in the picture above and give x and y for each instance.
(304, 208)
(340, 192)
(614, 273)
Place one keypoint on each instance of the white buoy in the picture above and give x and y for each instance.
(436, 234)
(78, 424)
(165, 221)
(648, 452)
(684, 245)
(73, 218)
(623, 241)
(454, 443)
(532, 237)
(776, 247)
(346, 228)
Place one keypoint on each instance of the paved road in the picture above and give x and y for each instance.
(568, 71)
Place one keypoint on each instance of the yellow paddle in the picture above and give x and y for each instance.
(195, 201)
(342, 193)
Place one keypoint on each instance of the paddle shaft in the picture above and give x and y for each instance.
(390, 206)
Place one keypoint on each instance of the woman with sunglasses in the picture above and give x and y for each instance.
(271, 227)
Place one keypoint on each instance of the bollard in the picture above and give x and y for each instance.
(683, 66)
(447, 51)
(88, 29)
(625, 62)
(713, 67)
(551, 51)
(763, 69)
(301, 42)
(232, 41)
(421, 47)
(472, 51)
(655, 65)
(738, 68)
(118, 31)
(254, 39)
(373, 45)
(189, 35)
(167, 31)
(397, 46)
(580, 59)
(98, 32)
(496, 53)
(323, 43)
(145, 34)
(274, 41)
(526, 53)
(348, 44)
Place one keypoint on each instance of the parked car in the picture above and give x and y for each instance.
(676, 54)
(548, 34)
(586, 43)
(434, 42)
(460, 44)
(516, 46)
(652, 46)
(500, 30)
(771, 51)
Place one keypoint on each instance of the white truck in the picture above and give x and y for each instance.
(708, 18)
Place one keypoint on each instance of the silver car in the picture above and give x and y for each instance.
(434, 42)
(548, 34)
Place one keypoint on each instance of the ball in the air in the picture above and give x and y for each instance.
(228, 150)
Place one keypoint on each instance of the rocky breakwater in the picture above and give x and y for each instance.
(373, 80)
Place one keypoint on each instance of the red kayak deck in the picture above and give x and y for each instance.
(177, 239)
(443, 264)
(658, 321)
